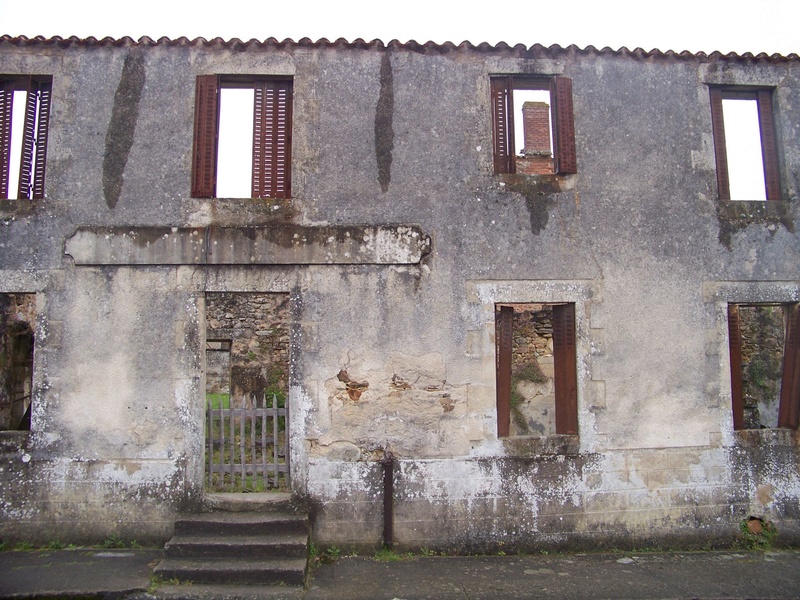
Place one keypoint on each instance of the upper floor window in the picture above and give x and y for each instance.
(744, 144)
(236, 116)
(532, 125)
(24, 116)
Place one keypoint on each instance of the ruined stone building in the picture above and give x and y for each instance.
(582, 334)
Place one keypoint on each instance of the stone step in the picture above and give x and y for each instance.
(230, 524)
(227, 592)
(272, 571)
(249, 502)
(289, 545)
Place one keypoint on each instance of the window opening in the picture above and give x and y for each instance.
(234, 160)
(17, 316)
(24, 118)
(533, 130)
(536, 369)
(765, 365)
(744, 144)
(242, 138)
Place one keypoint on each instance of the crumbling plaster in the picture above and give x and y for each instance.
(637, 240)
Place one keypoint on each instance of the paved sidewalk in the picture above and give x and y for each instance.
(623, 575)
(74, 573)
(117, 574)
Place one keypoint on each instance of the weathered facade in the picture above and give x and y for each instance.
(396, 240)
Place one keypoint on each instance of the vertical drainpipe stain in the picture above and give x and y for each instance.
(384, 134)
(119, 137)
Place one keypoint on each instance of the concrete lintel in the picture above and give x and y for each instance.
(283, 244)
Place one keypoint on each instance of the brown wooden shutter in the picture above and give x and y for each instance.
(565, 161)
(735, 345)
(6, 108)
(272, 139)
(720, 152)
(204, 150)
(42, 132)
(504, 333)
(789, 411)
(34, 139)
(566, 372)
(769, 149)
(503, 124)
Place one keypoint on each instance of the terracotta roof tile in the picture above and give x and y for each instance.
(536, 50)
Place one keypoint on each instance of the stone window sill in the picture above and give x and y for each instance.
(561, 445)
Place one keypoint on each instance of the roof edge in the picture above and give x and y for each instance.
(536, 50)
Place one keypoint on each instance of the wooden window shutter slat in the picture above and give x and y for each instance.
(566, 372)
(505, 326)
(6, 108)
(720, 152)
(258, 185)
(565, 160)
(283, 140)
(204, 150)
(769, 149)
(28, 142)
(789, 411)
(272, 139)
(735, 345)
(42, 133)
(502, 124)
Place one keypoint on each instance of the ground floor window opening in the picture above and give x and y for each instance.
(765, 365)
(17, 319)
(536, 369)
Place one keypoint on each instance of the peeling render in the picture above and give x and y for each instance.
(267, 245)
(391, 292)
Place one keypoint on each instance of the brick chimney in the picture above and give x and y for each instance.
(538, 159)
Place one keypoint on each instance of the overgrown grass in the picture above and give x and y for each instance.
(218, 400)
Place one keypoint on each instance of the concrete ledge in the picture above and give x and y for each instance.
(267, 245)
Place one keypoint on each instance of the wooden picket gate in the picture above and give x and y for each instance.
(246, 445)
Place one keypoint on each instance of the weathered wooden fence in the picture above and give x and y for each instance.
(246, 445)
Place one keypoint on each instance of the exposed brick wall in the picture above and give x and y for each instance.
(537, 158)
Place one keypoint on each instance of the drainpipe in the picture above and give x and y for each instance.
(388, 498)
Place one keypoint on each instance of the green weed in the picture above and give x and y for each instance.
(113, 541)
(757, 534)
(387, 555)
(55, 545)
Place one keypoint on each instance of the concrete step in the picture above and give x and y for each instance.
(288, 545)
(241, 523)
(249, 502)
(228, 592)
(271, 571)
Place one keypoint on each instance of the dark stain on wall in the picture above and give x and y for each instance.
(119, 137)
(538, 192)
(734, 216)
(384, 134)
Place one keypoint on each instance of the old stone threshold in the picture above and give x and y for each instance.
(551, 445)
(279, 244)
(760, 438)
